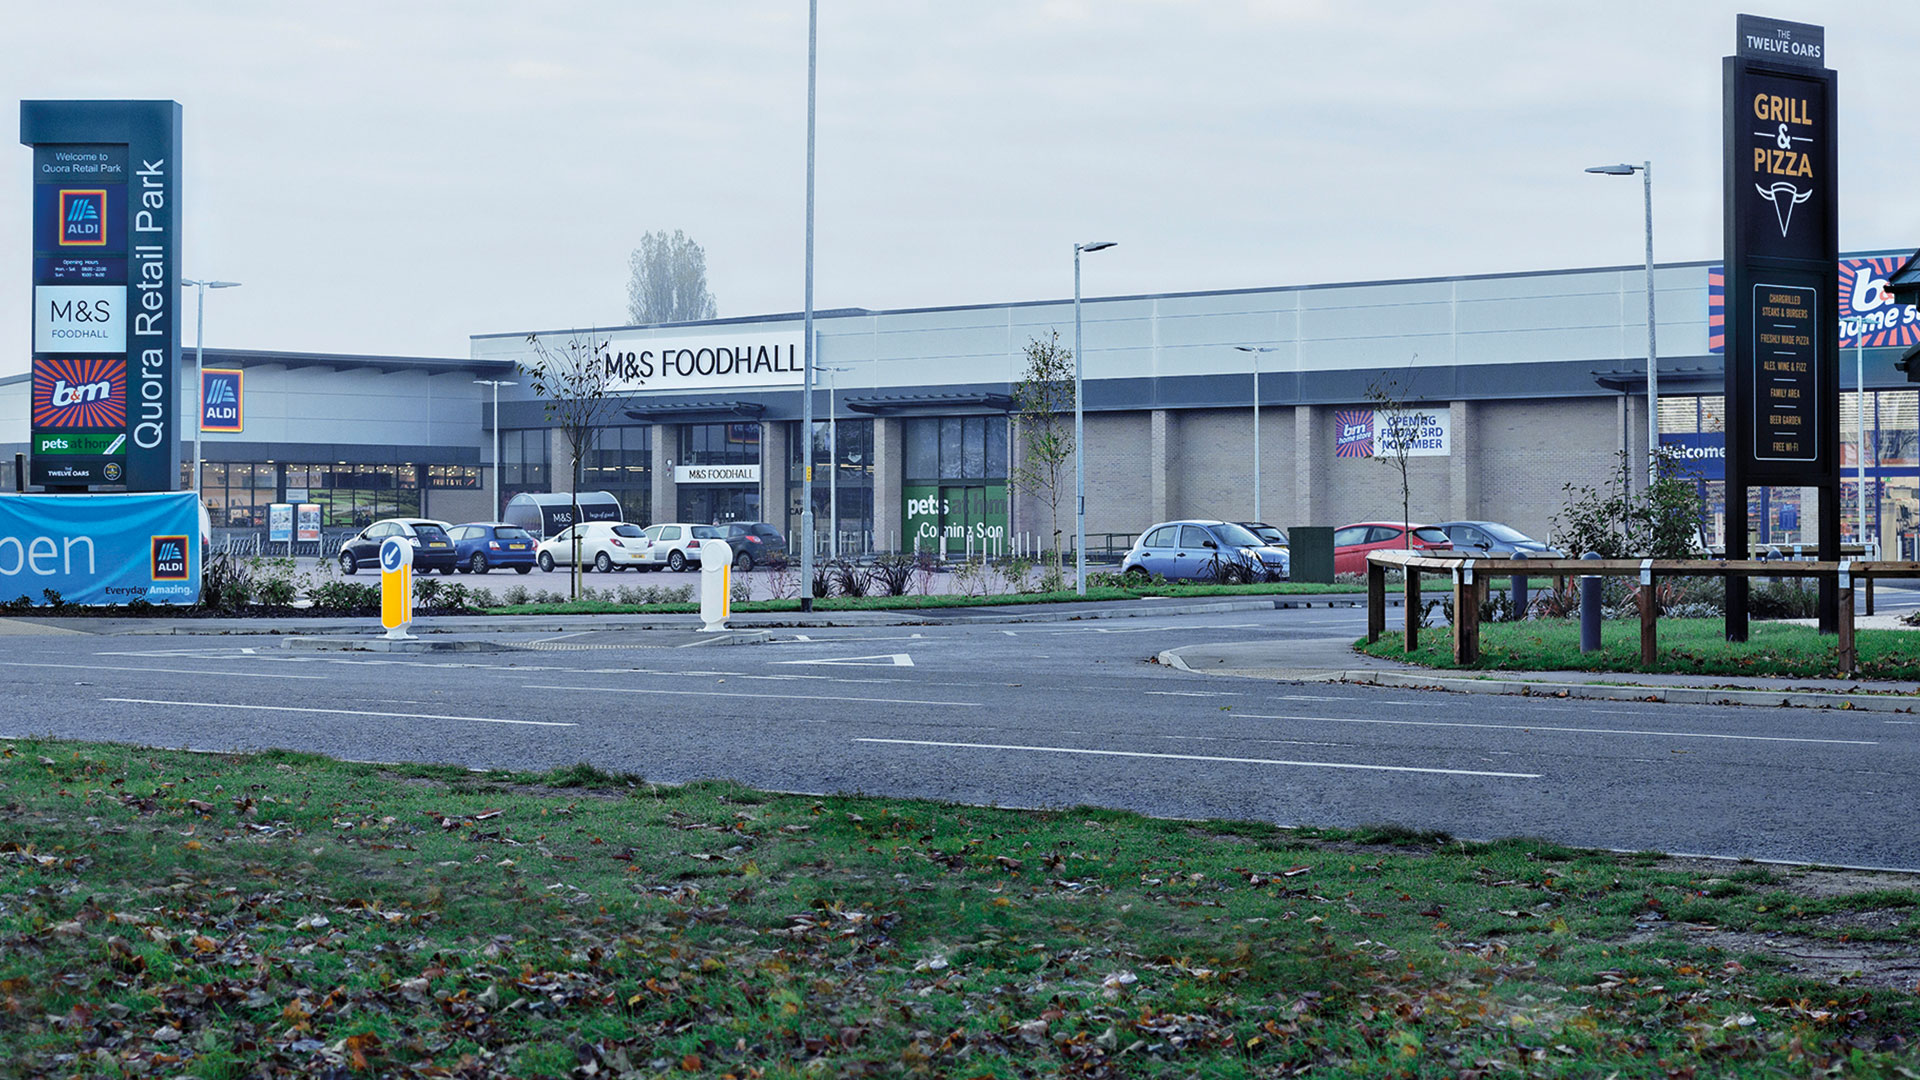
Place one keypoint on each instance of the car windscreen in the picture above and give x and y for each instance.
(706, 532)
(1430, 536)
(627, 530)
(1235, 536)
(1505, 534)
(1269, 534)
(511, 532)
(429, 532)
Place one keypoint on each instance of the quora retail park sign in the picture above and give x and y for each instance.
(633, 363)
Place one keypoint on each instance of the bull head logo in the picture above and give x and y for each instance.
(1784, 197)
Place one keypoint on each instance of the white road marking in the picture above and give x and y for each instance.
(1909, 723)
(775, 697)
(898, 659)
(336, 712)
(161, 671)
(802, 637)
(1204, 757)
(1563, 730)
(1194, 693)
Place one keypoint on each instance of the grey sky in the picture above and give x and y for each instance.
(390, 177)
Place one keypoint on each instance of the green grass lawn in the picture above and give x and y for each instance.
(169, 914)
(1689, 646)
(915, 601)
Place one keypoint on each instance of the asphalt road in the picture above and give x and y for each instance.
(1026, 714)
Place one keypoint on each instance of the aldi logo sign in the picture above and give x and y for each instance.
(220, 397)
(169, 558)
(83, 218)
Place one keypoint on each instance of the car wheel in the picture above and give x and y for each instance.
(447, 571)
(546, 561)
(1136, 575)
(349, 564)
(742, 563)
(480, 563)
(523, 569)
(676, 562)
(602, 563)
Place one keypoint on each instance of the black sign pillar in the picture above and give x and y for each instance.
(106, 293)
(1783, 310)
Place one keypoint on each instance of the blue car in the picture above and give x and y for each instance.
(480, 546)
(1206, 550)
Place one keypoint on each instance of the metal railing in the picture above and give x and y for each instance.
(1469, 579)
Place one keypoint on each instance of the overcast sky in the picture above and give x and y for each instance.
(392, 176)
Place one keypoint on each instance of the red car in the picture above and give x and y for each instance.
(1352, 542)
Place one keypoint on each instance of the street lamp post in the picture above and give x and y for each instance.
(1079, 432)
(200, 287)
(1256, 350)
(806, 366)
(1653, 354)
(496, 384)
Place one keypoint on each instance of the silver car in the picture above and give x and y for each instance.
(1205, 550)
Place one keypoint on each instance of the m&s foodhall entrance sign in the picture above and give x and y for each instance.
(1783, 310)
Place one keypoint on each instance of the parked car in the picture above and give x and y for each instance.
(1495, 539)
(753, 542)
(432, 550)
(605, 546)
(1204, 550)
(1271, 535)
(479, 546)
(676, 544)
(1351, 543)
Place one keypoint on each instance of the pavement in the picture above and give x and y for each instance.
(1333, 659)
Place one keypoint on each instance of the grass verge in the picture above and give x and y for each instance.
(1687, 646)
(912, 602)
(170, 914)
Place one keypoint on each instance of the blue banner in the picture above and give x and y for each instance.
(101, 549)
(1702, 456)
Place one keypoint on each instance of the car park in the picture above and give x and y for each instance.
(675, 545)
(1204, 550)
(1494, 539)
(753, 543)
(1351, 543)
(432, 549)
(605, 546)
(480, 546)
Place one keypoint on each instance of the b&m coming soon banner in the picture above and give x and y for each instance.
(101, 549)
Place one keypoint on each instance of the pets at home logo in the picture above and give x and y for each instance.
(1355, 427)
(83, 218)
(169, 558)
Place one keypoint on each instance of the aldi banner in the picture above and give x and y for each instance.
(101, 549)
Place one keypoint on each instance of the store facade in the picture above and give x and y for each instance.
(1514, 385)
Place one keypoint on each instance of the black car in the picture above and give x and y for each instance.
(753, 543)
(432, 548)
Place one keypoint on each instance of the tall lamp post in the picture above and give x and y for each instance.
(496, 384)
(200, 287)
(1079, 432)
(1653, 361)
(1256, 350)
(806, 366)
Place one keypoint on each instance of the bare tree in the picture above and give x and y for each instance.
(667, 280)
(1043, 401)
(574, 380)
(1391, 443)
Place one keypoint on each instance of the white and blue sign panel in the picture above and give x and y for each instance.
(1700, 456)
(221, 394)
(101, 549)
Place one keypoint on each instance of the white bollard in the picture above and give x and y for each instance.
(716, 585)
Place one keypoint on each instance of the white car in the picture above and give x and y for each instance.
(605, 546)
(675, 545)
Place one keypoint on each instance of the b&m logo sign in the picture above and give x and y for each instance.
(83, 218)
(79, 393)
(1869, 317)
(1355, 437)
(220, 408)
